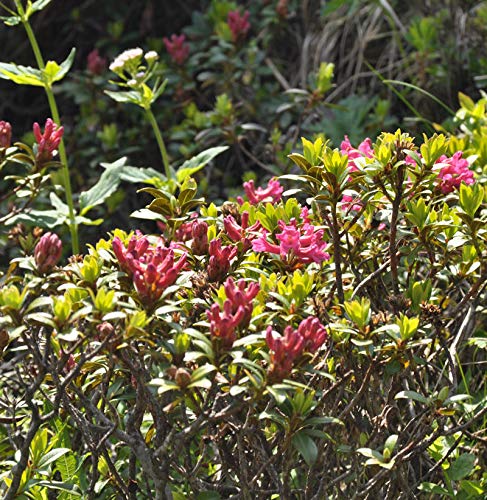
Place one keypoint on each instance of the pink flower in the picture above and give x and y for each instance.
(223, 326)
(455, 170)
(241, 296)
(364, 149)
(177, 48)
(309, 337)
(161, 272)
(243, 232)
(220, 258)
(5, 134)
(314, 334)
(152, 267)
(284, 351)
(47, 142)
(47, 252)
(135, 251)
(351, 203)
(237, 311)
(271, 194)
(304, 243)
(239, 24)
(95, 64)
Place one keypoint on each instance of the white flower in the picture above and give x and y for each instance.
(151, 56)
(125, 57)
(116, 66)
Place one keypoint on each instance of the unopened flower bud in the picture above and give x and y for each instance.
(182, 378)
(5, 134)
(47, 252)
(95, 63)
(105, 329)
(199, 231)
(151, 56)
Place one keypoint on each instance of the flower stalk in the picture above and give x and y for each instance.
(73, 225)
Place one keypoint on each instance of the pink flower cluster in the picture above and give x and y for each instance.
(242, 232)
(304, 243)
(364, 149)
(220, 258)
(239, 24)
(47, 252)
(237, 311)
(5, 134)
(152, 267)
(271, 194)
(309, 337)
(455, 170)
(48, 141)
(177, 47)
(96, 64)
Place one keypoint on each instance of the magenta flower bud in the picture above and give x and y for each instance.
(284, 351)
(5, 134)
(96, 64)
(313, 333)
(177, 48)
(199, 232)
(220, 258)
(47, 252)
(239, 24)
(48, 141)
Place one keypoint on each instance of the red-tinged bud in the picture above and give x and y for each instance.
(5, 134)
(105, 330)
(177, 47)
(239, 24)
(313, 333)
(220, 258)
(47, 252)
(199, 232)
(182, 378)
(284, 351)
(96, 64)
(281, 8)
(48, 141)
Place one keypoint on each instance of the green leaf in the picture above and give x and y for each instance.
(201, 372)
(11, 20)
(52, 456)
(65, 66)
(142, 175)
(208, 495)
(67, 465)
(189, 167)
(433, 488)
(306, 447)
(390, 443)
(412, 395)
(107, 184)
(164, 385)
(58, 485)
(39, 5)
(21, 75)
(124, 97)
(471, 198)
(461, 467)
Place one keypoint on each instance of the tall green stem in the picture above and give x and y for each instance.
(73, 226)
(160, 142)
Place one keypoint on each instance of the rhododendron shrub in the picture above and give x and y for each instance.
(272, 347)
